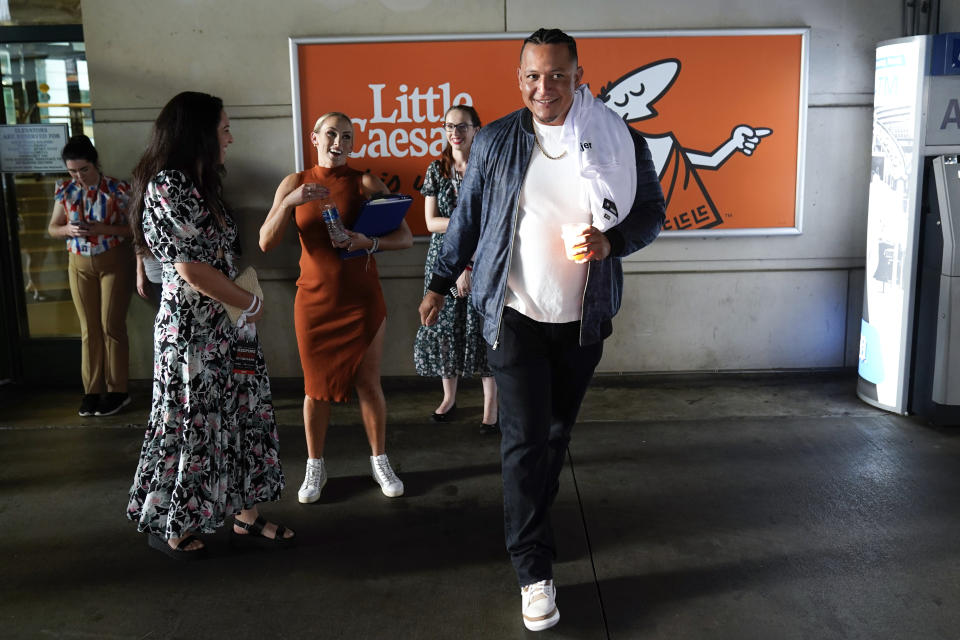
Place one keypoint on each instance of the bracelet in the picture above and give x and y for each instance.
(375, 246)
(252, 310)
(469, 267)
(242, 320)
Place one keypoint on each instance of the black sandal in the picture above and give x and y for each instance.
(255, 534)
(181, 552)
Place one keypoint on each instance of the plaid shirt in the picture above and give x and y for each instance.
(106, 203)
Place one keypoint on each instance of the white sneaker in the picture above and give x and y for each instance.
(383, 473)
(313, 482)
(539, 605)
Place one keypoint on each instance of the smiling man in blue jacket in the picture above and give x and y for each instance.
(563, 158)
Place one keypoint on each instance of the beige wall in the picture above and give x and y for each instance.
(699, 304)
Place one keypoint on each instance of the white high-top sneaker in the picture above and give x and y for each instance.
(540, 605)
(383, 473)
(313, 481)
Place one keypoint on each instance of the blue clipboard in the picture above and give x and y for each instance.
(379, 216)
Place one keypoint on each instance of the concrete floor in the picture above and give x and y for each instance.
(693, 507)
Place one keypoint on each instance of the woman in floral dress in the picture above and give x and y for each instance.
(210, 449)
(453, 347)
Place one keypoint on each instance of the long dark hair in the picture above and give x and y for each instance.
(184, 138)
(446, 156)
(79, 147)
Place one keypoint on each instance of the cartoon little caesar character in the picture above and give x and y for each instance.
(689, 205)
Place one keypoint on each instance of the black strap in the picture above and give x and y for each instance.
(186, 543)
(255, 528)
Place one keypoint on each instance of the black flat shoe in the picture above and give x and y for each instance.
(489, 429)
(445, 417)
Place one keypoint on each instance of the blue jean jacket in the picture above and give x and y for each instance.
(485, 221)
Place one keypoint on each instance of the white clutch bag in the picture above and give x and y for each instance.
(247, 280)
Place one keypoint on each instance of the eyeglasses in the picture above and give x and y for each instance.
(459, 128)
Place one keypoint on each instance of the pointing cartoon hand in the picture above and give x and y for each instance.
(747, 138)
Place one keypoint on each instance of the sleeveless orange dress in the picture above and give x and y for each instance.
(339, 305)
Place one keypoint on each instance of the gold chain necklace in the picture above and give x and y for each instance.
(544, 151)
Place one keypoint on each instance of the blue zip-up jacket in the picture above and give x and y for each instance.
(484, 224)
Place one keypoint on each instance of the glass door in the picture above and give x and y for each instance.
(44, 82)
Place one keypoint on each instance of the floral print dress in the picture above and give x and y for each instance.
(454, 346)
(211, 445)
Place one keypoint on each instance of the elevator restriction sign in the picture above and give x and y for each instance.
(32, 148)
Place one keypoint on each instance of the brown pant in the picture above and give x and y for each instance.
(101, 287)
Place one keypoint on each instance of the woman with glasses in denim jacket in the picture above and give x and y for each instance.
(453, 348)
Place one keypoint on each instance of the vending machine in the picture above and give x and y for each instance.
(910, 329)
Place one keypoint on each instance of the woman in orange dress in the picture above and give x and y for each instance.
(339, 312)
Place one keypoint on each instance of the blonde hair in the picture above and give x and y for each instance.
(339, 114)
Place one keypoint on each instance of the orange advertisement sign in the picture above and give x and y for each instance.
(721, 111)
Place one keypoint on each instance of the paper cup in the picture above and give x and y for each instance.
(573, 240)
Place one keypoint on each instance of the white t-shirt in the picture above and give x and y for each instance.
(542, 284)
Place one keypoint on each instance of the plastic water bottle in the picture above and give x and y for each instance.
(331, 217)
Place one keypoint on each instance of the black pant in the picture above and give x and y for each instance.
(542, 374)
